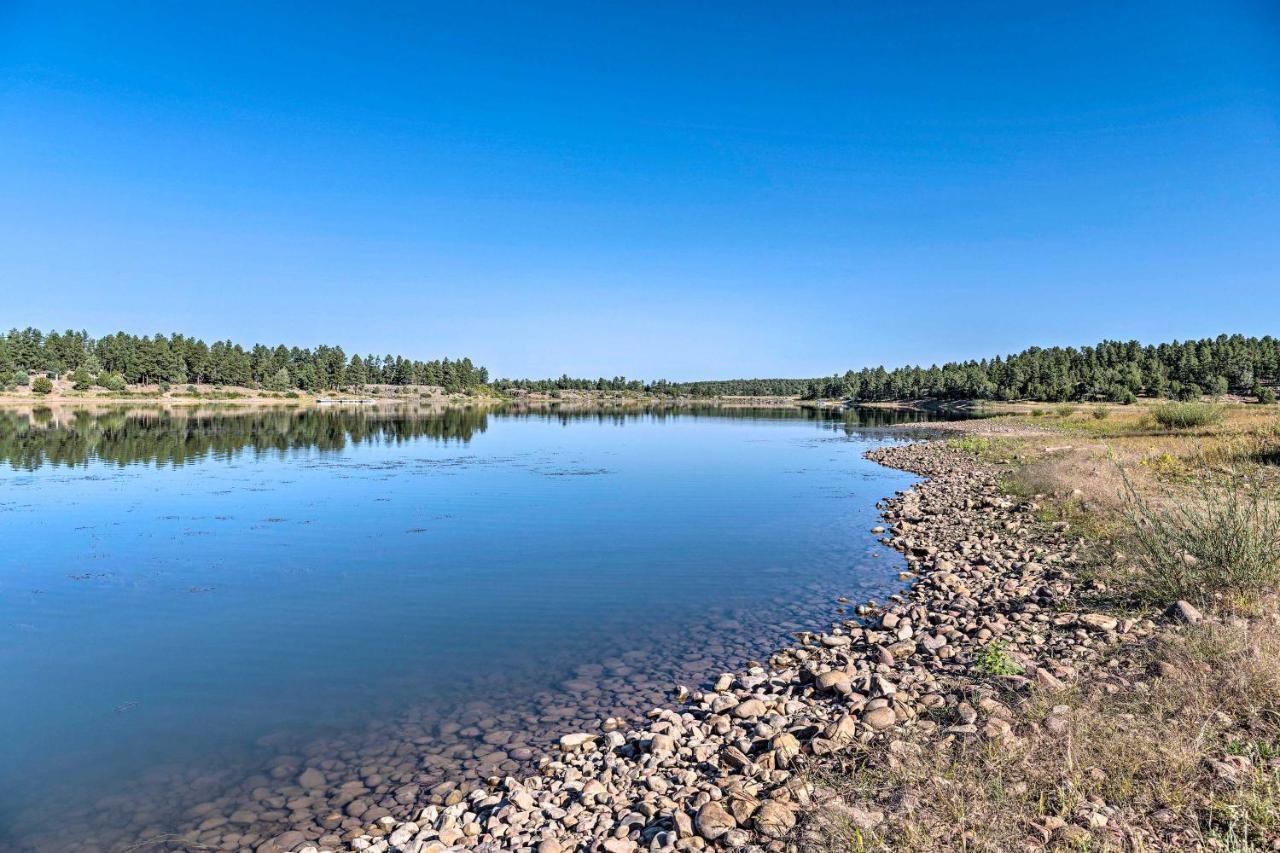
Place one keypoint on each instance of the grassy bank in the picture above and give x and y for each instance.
(1171, 742)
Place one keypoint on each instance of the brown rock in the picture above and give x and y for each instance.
(774, 819)
(880, 718)
(311, 779)
(1098, 622)
(1184, 611)
(840, 730)
(835, 681)
(1048, 682)
(714, 821)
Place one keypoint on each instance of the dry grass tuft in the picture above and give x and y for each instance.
(1181, 750)
(1218, 544)
(1187, 415)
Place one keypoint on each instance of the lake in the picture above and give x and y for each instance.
(195, 608)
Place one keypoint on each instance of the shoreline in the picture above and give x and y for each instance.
(222, 800)
(730, 767)
(1002, 613)
(1012, 635)
(1011, 642)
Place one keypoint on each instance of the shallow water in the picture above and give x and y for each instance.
(195, 608)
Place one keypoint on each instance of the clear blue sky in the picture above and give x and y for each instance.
(681, 190)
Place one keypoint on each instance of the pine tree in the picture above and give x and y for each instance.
(357, 373)
(278, 381)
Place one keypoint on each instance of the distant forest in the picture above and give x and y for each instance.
(1112, 370)
(116, 360)
(663, 387)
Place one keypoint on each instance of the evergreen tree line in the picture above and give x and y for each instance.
(1111, 370)
(663, 387)
(119, 359)
(569, 383)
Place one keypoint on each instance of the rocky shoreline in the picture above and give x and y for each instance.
(729, 767)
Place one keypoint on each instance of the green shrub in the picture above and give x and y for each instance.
(994, 660)
(971, 444)
(1190, 391)
(1220, 543)
(1120, 394)
(1101, 413)
(1266, 396)
(81, 380)
(42, 385)
(1065, 411)
(21, 379)
(112, 381)
(1186, 415)
(1037, 413)
(279, 381)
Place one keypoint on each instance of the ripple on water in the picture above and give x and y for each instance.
(401, 730)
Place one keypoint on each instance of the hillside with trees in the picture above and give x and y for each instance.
(1111, 370)
(114, 361)
(662, 387)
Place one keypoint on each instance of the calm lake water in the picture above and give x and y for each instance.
(194, 609)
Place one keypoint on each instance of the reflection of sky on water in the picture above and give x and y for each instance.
(155, 614)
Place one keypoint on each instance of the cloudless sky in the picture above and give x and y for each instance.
(680, 190)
